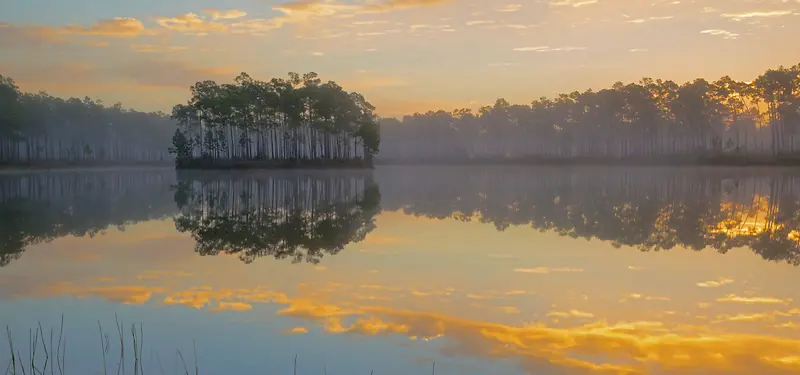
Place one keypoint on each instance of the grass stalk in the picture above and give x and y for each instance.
(102, 348)
(11, 348)
(185, 369)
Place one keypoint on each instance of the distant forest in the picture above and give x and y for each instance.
(282, 122)
(301, 121)
(36, 128)
(649, 119)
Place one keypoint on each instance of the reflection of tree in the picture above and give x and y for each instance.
(297, 216)
(40, 207)
(652, 210)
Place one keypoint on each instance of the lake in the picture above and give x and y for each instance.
(482, 270)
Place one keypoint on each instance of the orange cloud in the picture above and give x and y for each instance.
(232, 306)
(152, 48)
(754, 300)
(296, 331)
(230, 14)
(190, 23)
(546, 270)
(121, 27)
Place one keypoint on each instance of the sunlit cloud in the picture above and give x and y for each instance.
(549, 49)
(152, 48)
(479, 22)
(121, 27)
(511, 310)
(754, 300)
(160, 274)
(546, 270)
(572, 3)
(755, 317)
(97, 43)
(637, 50)
(296, 331)
(232, 306)
(648, 19)
(571, 314)
(723, 33)
(510, 8)
(230, 14)
(643, 297)
(746, 15)
(190, 23)
(714, 284)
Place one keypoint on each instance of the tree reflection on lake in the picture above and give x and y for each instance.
(305, 215)
(283, 215)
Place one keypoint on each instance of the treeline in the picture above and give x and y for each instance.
(648, 119)
(649, 209)
(282, 122)
(300, 217)
(40, 207)
(39, 129)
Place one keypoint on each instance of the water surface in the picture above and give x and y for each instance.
(492, 270)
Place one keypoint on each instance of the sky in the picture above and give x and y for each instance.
(405, 56)
(483, 301)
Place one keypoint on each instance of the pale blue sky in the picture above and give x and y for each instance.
(403, 55)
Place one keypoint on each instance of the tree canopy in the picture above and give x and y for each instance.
(37, 127)
(649, 118)
(292, 120)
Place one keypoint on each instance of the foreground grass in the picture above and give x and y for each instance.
(46, 353)
(42, 356)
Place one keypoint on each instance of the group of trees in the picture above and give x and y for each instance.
(298, 120)
(39, 128)
(647, 119)
(301, 217)
(652, 209)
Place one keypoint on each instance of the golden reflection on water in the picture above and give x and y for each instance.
(746, 333)
(476, 280)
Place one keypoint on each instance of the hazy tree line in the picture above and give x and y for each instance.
(649, 209)
(39, 128)
(40, 207)
(298, 120)
(647, 119)
(301, 217)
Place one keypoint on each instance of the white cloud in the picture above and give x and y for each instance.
(572, 3)
(725, 34)
(745, 15)
(510, 8)
(549, 49)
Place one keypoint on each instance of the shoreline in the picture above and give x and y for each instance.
(691, 161)
(55, 165)
(200, 164)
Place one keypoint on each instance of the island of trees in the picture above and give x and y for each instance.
(39, 130)
(720, 122)
(283, 123)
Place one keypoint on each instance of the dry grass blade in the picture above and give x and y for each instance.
(58, 349)
(102, 348)
(185, 369)
(194, 346)
(121, 364)
(46, 352)
(11, 348)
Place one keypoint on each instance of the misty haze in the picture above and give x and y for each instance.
(554, 187)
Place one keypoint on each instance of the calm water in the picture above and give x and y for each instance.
(484, 270)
